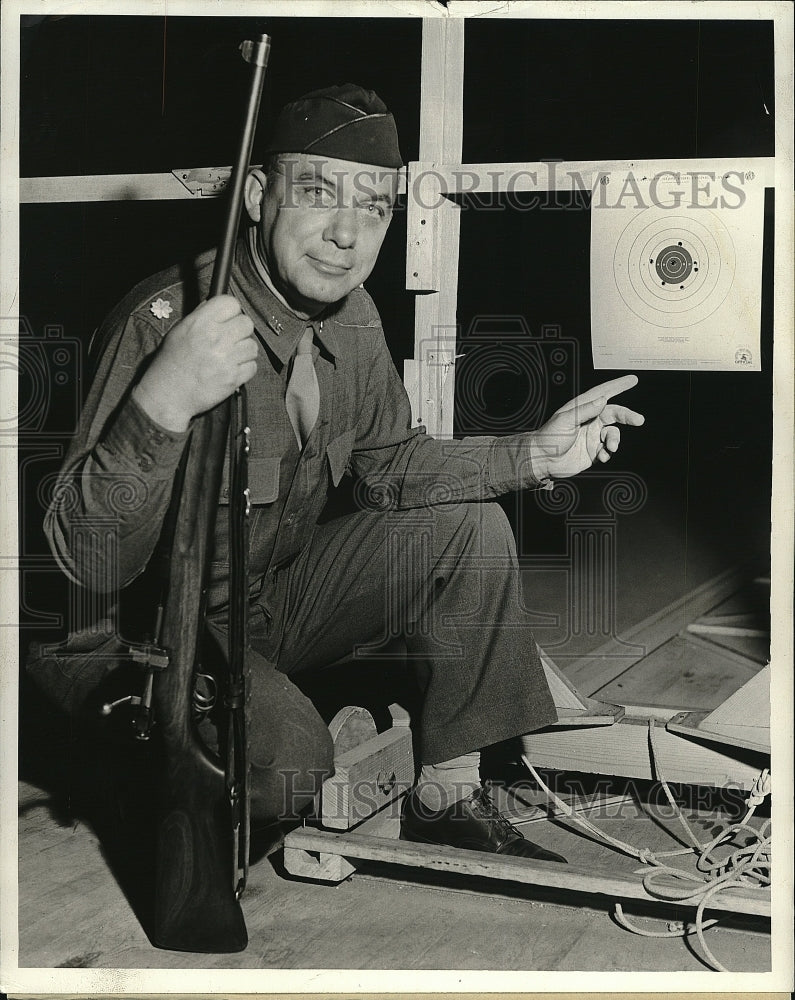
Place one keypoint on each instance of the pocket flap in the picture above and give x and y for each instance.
(339, 452)
(263, 480)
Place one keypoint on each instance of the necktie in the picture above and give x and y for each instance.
(302, 398)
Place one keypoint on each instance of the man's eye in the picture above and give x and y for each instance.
(317, 195)
(375, 210)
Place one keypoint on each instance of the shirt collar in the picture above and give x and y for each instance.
(277, 325)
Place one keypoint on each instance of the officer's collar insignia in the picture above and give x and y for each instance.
(161, 308)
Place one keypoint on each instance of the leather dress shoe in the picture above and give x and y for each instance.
(473, 823)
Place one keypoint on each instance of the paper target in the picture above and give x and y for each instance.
(674, 270)
(676, 266)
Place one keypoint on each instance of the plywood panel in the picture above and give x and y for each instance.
(680, 674)
(742, 720)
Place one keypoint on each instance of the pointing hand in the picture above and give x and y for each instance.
(583, 431)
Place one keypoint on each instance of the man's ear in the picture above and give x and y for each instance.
(253, 192)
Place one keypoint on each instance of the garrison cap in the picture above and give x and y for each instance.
(344, 122)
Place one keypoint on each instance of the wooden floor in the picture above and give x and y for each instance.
(74, 913)
(81, 890)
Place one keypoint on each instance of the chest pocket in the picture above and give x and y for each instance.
(263, 480)
(339, 453)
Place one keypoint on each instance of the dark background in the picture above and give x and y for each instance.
(140, 94)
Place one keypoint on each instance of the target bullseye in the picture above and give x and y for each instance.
(674, 264)
(674, 270)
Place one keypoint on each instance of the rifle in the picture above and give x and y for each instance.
(203, 822)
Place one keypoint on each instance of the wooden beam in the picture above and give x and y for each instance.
(718, 628)
(433, 232)
(182, 182)
(577, 175)
(193, 182)
(323, 867)
(367, 777)
(422, 223)
(694, 724)
(354, 846)
(623, 749)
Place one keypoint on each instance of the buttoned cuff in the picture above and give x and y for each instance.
(541, 482)
(140, 443)
(513, 465)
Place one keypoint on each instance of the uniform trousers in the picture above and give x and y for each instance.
(444, 579)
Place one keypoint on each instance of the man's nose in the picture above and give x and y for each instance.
(343, 228)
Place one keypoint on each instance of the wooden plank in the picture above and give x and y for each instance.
(564, 693)
(589, 716)
(422, 224)
(441, 133)
(743, 619)
(742, 720)
(351, 726)
(623, 749)
(183, 182)
(435, 367)
(756, 738)
(748, 706)
(573, 708)
(317, 865)
(577, 175)
(367, 777)
(711, 628)
(682, 674)
(660, 712)
(746, 617)
(384, 823)
(725, 647)
(107, 187)
(592, 672)
(522, 870)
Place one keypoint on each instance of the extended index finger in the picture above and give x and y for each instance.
(604, 391)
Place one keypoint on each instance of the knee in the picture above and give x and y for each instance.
(289, 780)
(291, 754)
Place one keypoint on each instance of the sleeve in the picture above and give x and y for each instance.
(401, 466)
(113, 491)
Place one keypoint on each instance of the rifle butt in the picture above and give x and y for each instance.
(195, 904)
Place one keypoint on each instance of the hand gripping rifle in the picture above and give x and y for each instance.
(203, 823)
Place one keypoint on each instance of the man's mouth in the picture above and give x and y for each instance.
(328, 267)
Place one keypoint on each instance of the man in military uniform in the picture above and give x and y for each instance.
(426, 555)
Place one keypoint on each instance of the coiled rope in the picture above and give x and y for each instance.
(747, 865)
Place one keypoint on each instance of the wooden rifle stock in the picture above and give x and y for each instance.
(203, 806)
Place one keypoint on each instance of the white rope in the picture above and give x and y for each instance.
(748, 865)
